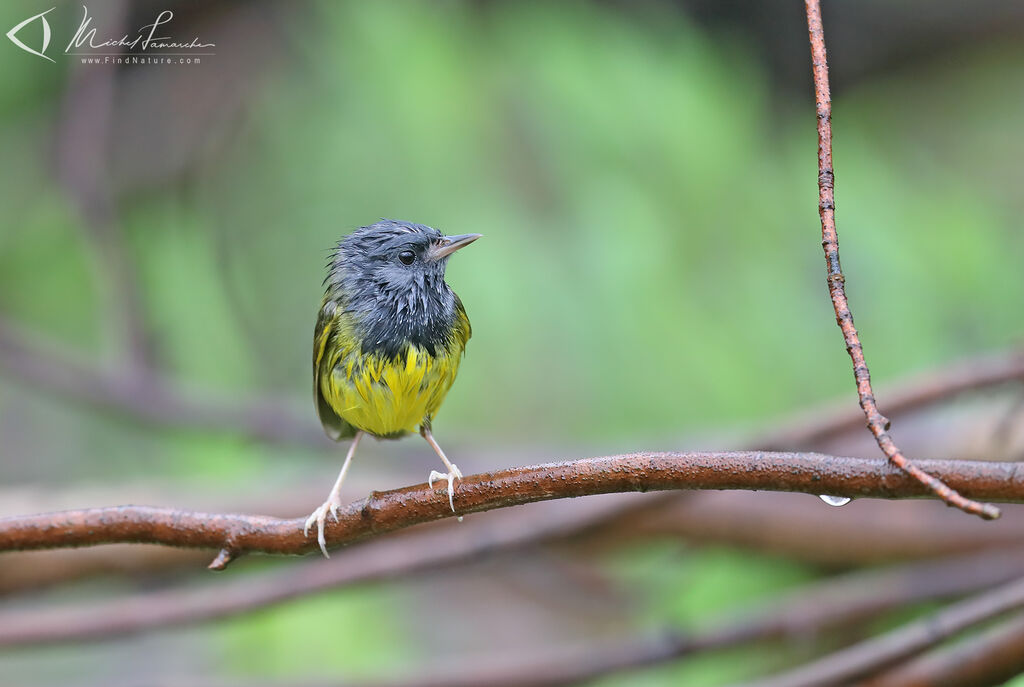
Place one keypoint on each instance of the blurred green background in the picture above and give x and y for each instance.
(651, 274)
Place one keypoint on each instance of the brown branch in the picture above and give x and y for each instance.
(807, 611)
(791, 525)
(869, 657)
(986, 660)
(374, 561)
(877, 423)
(862, 533)
(804, 613)
(952, 379)
(779, 523)
(400, 508)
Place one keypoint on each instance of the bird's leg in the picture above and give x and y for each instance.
(333, 502)
(453, 470)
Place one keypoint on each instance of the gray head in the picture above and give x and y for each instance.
(390, 276)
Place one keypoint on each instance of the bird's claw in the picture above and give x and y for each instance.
(449, 477)
(319, 516)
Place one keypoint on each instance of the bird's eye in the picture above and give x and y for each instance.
(407, 257)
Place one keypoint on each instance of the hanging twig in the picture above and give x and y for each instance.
(877, 423)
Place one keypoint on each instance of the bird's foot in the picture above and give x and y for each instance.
(319, 516)
(449, 477)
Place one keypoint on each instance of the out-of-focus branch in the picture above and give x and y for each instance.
(151, 400)
(878, 424)
(861, 533)
(845, 599)
(22, 572)
(392, 510)
(83, 168)
(876, 654)
(807, 611)
(803, 613)
(986, 660)
(161, 402)
(377, 560)
(952, 379)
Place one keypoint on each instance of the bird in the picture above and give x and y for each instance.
(389, 338)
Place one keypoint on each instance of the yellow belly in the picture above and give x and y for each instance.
(390, 396)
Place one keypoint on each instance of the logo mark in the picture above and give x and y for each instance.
(46, 34)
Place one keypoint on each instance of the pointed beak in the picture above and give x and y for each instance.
(449, 244)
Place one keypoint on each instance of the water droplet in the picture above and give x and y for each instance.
(835, 500)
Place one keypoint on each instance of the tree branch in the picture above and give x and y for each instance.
(783, 525)
(151, 398)
(986, 660)
(387, 511)
(374, 561)
(952, 379)
(804, 612)
(877, 423)
(873, 655)
(793, 527)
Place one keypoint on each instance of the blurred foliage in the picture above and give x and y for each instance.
(352, 633)
(685, 589)
(651, 264)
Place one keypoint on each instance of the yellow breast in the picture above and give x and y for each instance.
(389, 396)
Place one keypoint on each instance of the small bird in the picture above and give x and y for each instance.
(388, 342)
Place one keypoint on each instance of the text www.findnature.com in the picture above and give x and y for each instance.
(141, 60)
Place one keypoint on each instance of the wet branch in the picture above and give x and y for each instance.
(392, 510)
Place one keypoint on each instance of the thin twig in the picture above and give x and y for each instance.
(877, 423)
(876, 654)
(392, 510)
(986, 660)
